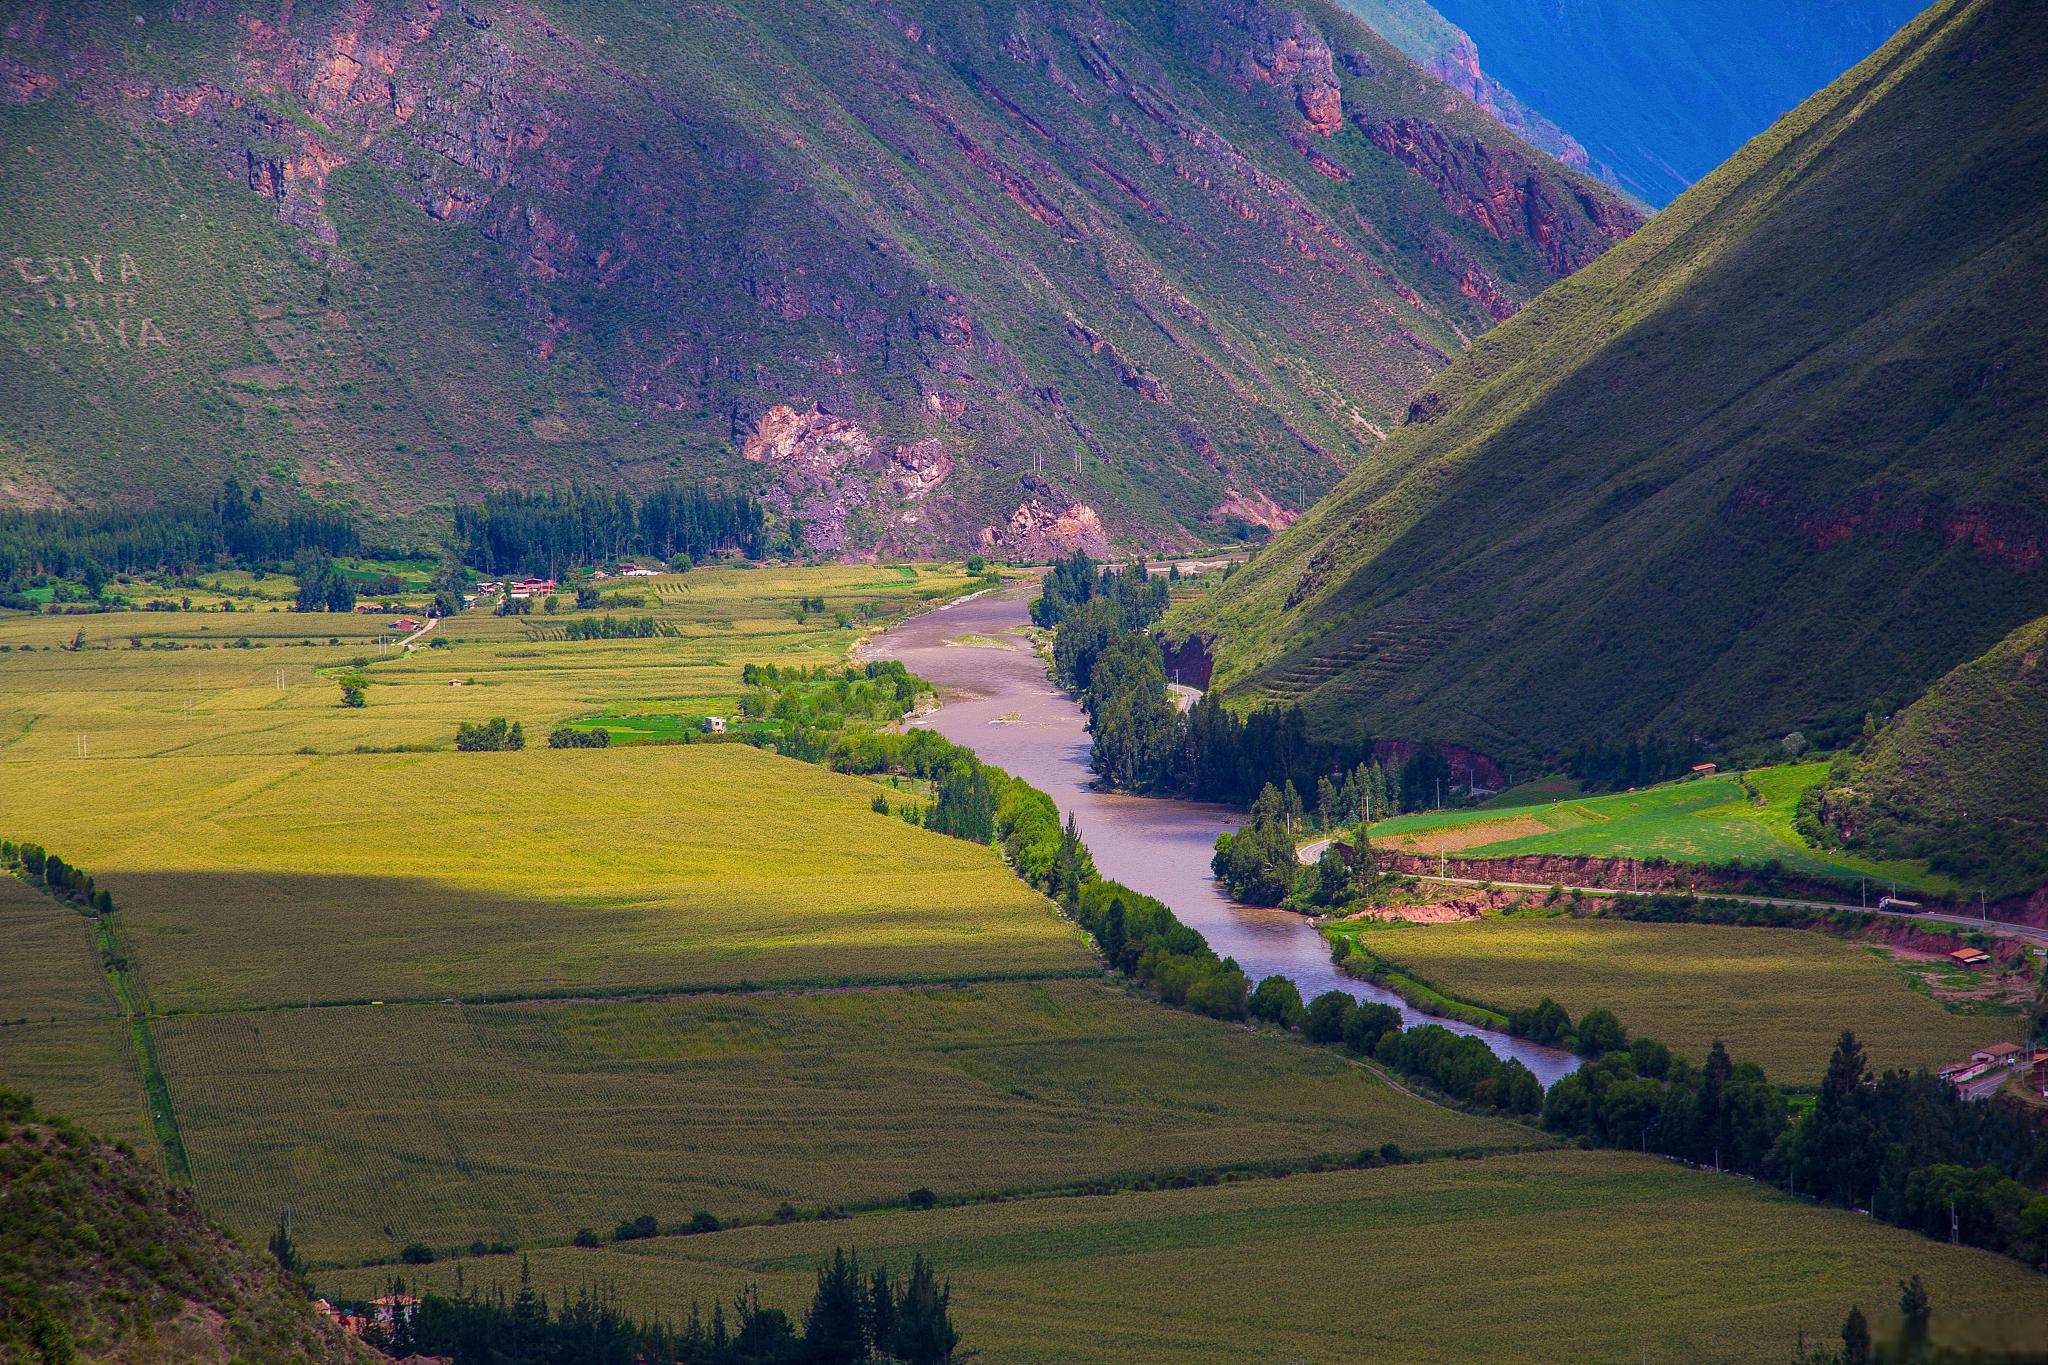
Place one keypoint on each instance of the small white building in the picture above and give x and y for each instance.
(714, 725)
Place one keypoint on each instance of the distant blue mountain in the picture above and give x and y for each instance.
(1660, 92)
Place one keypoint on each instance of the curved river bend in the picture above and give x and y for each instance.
(998, 701)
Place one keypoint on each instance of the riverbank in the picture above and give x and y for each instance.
(997, 700)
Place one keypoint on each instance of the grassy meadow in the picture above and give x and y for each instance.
(523, 1122)
(1713, 820)
(1549, 1257)
(1777, 997)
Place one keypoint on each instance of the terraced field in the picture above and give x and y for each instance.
(1557, 1257)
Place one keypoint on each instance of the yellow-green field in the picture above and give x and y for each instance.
(657, 979)
(1777, 997)
(84, 1069)
(1555, 1257)
(443, 1124)
(272, 882)
(287, 879)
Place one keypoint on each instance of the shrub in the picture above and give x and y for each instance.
(703, 1221)
(417, 1253)
(585, 1237)
(922, 1198)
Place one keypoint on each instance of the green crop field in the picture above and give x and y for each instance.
(1778, 997)
(524, 1121)
(1553, 1257)
(1709, 821)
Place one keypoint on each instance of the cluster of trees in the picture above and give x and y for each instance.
(1144, 743)
(1258, 862)
(882, 690)
(1637, 763)
(323, 586)
(514, 531)
(1133, 596)
(1915, 1345)
(1903, 1146)
(609, 627)
(565, 738)
(1461, 1066)
(39, 867)
(93, 546)
(855, 1318)
(1640, 1096)
(1916, 1154)
(491, 736)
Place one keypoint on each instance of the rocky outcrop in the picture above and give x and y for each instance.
(1280, 48)
(825, 470)
(1256, 508)
(806, 446)
(1037, 530)
(1500, 189)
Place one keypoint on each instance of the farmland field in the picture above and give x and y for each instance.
(273, 880)
(288, 879)
(1777, 997)
(1709, 821)
(524, 1122)
(1570, 1256)
(49, 968)
(84, 1069)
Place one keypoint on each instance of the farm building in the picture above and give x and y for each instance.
(1999, 1054)
(1705, 769)
(1969, 957)
(714, 725)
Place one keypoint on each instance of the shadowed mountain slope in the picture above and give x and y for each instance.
(1781, 456)
(1959, 776)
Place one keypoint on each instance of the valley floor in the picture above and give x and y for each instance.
(420, 995)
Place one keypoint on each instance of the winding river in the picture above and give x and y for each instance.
(997, 700)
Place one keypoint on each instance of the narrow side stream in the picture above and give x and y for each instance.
(998, 701)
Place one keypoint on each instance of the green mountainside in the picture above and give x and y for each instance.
(1067, 269)
(1779, 459)
(1957, 777)
(101, 1260)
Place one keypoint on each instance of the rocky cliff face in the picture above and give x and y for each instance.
(546, 246)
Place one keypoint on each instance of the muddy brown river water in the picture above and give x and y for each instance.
(997, 700)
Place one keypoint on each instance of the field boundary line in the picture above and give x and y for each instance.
(649, 994)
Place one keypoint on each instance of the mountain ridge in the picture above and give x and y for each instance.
(1178, 268)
